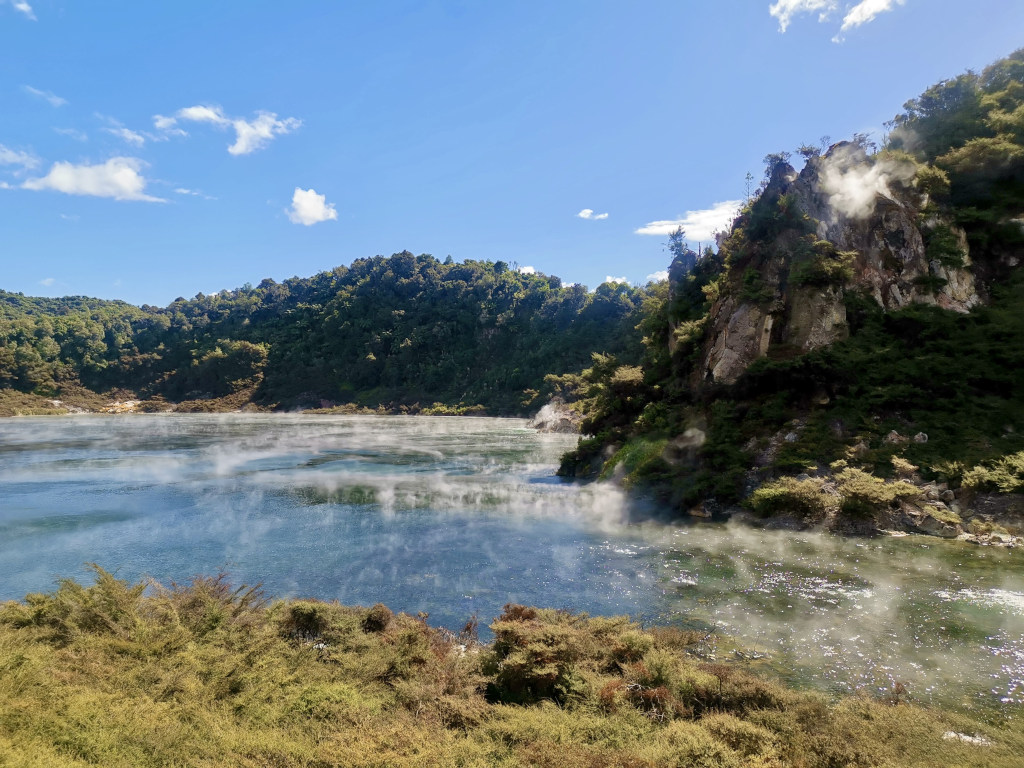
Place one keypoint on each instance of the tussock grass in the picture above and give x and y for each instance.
(118, 674)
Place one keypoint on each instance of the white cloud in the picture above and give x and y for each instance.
(527, 270)
(309, 208)
(119, 178)
(53, 99)
(13, 157)
(193, 192)
(855, 14)
(785, 10)
(70, 216)
(132, 137)
(250, 135)
(657, 277)
(72, 133)
(47, 281)
(5, 185)
(25, 8)
(588, 213)
(167, 127)
(610, 279)
(863, 13)
(699, 226)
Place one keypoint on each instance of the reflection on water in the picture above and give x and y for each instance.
(456, 516)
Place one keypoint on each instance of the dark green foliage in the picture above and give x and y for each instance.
(754, 289)
(823, 267)
(403, 330)
(972, 128)
(942, 245)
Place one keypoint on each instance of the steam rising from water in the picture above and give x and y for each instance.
(455, 516)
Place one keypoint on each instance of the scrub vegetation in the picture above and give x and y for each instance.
(119, 674)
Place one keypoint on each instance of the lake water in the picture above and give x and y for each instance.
(456, 516)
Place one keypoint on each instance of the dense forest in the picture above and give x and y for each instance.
(390, 332)
(907, 380)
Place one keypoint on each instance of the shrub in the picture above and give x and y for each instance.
(1005, 474)
(377, 618)
(789, 495)
(864, 494)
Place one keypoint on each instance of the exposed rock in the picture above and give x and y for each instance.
(557, 416)
(881, 224)
(894, 438)
(921, 438)
(923, 521)
(744, 338)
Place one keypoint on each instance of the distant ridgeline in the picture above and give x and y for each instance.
(386, 331)
(863, 320)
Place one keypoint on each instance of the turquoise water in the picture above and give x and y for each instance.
(458, 516)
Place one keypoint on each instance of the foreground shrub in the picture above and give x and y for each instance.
(115, 674)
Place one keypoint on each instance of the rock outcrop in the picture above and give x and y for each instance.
(870, 220)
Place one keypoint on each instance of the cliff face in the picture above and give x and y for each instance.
(862, 224)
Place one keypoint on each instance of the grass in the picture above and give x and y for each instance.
(116, 674)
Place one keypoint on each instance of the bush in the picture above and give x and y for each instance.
(789, 495)
(377, 618)
(1005, 475)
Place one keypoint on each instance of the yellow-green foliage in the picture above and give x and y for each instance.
(116, 674)
(787, 494)
(1005, 475)
(863, 492)
(855, 492)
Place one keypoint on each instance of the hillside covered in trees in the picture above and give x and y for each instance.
(390, 332)
(853, 348)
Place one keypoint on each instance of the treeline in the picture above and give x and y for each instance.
(400, 330)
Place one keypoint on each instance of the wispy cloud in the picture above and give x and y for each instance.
(864, 12)
(193, 193)
(118, 178)
(167, 127)
(588, 213)
(14, 157)
(309, 208)
(699, 226)
(657, 277)
(53, 99)
(854, 14)
(785, 10)
(128, 135)
(48, 281)
(72, 133)
(250, 135)
(24, 8)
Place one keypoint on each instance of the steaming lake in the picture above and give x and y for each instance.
(456, 516)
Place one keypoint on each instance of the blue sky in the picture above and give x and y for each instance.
(155, 150)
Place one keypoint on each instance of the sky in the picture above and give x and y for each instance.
(156, 150)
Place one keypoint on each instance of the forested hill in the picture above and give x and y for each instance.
(395, 331)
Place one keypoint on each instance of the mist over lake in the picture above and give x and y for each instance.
(458, 516)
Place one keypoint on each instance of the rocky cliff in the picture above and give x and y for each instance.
(847, 222)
